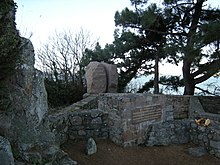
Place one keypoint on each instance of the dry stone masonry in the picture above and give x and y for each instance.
(35, 135)
(88, 123)
(167, 133)
(81, 120)
(208, 137)
(131, 115)
(134, 119)
(126, 119)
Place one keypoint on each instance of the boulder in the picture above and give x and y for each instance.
(6, 156)
(112, 77)
(96, 78)
(101, 77)
(91, 147)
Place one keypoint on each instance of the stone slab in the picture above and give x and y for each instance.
(96, 78)
(147, 113)
(112, 77)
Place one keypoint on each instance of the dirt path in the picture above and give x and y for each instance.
(112, 154)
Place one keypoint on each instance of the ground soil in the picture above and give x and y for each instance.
(109, 153)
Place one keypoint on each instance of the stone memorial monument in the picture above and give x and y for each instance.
(101, 77)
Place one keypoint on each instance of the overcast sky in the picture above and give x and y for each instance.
(42, 17)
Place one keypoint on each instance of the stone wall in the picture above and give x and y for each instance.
(131, 114)
(59, 125)
(211, 104)
(180, 106)
(80, 120)
(170, 132)
(134, 119)
(209, 137)
(123, 118)
(88, 123)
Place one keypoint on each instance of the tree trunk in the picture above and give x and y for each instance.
(189, 84)
(156, 75)
(189, 88)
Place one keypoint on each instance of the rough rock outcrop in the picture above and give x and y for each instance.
(101, 77)
(24, 122)
(6, 156)
(29, 128)
(27, 125)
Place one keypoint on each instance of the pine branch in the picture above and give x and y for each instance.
(208, 70)
(205, 91)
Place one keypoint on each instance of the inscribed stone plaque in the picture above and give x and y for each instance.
(147, 113)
